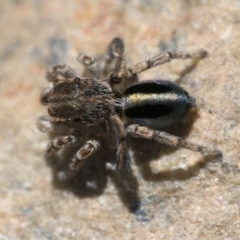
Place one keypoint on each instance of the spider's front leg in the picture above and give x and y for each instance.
(116, 52)
(83, 153)
(122, 157)
(171, 140)
(60, 73)
(90, 64)
(60, 142)
(119, 79)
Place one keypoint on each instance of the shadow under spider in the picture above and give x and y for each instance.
(144, 151)
(187, 70)
(91, 179)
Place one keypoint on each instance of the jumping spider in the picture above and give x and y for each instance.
(110, 101)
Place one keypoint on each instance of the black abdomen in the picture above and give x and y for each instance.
(156, 103)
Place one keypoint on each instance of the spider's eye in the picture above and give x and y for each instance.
(156, 103)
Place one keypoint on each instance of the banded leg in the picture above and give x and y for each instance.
(60, 72)
(122, 157)
(162, 58)
(116, 51)
(171, 140)
(90, 64)
(111, 136)
(59, 143)
(85, 151)
(119, 79)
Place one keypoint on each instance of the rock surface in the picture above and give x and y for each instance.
(172, 194)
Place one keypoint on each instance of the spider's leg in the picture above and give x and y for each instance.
(111, 136)
(119, 78)
(171, 140)
(116, 52)
(90, 64)
(60, 72)
(58, 143)
(162, 58)
(122, 157)
(83, 153)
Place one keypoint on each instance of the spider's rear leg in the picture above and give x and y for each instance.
(83, 153)
(90, 64)
(162, 58)
(122, 157)
(171, 140)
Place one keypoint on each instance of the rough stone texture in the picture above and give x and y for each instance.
(181, 195)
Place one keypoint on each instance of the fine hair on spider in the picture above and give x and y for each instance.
(108, 97)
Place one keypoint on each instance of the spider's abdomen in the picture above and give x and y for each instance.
(82, 100)
(156, 103)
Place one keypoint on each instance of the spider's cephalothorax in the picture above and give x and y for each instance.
(94, 105)
(84, 100)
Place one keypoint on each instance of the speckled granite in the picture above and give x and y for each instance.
(172, 194)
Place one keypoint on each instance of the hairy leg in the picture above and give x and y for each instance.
(83, 153)
(171, 140)
(119, 79)
(58, 143)
(116, 52)
(60, 72)
(162, 58)
(122, 157)
(90, 64)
